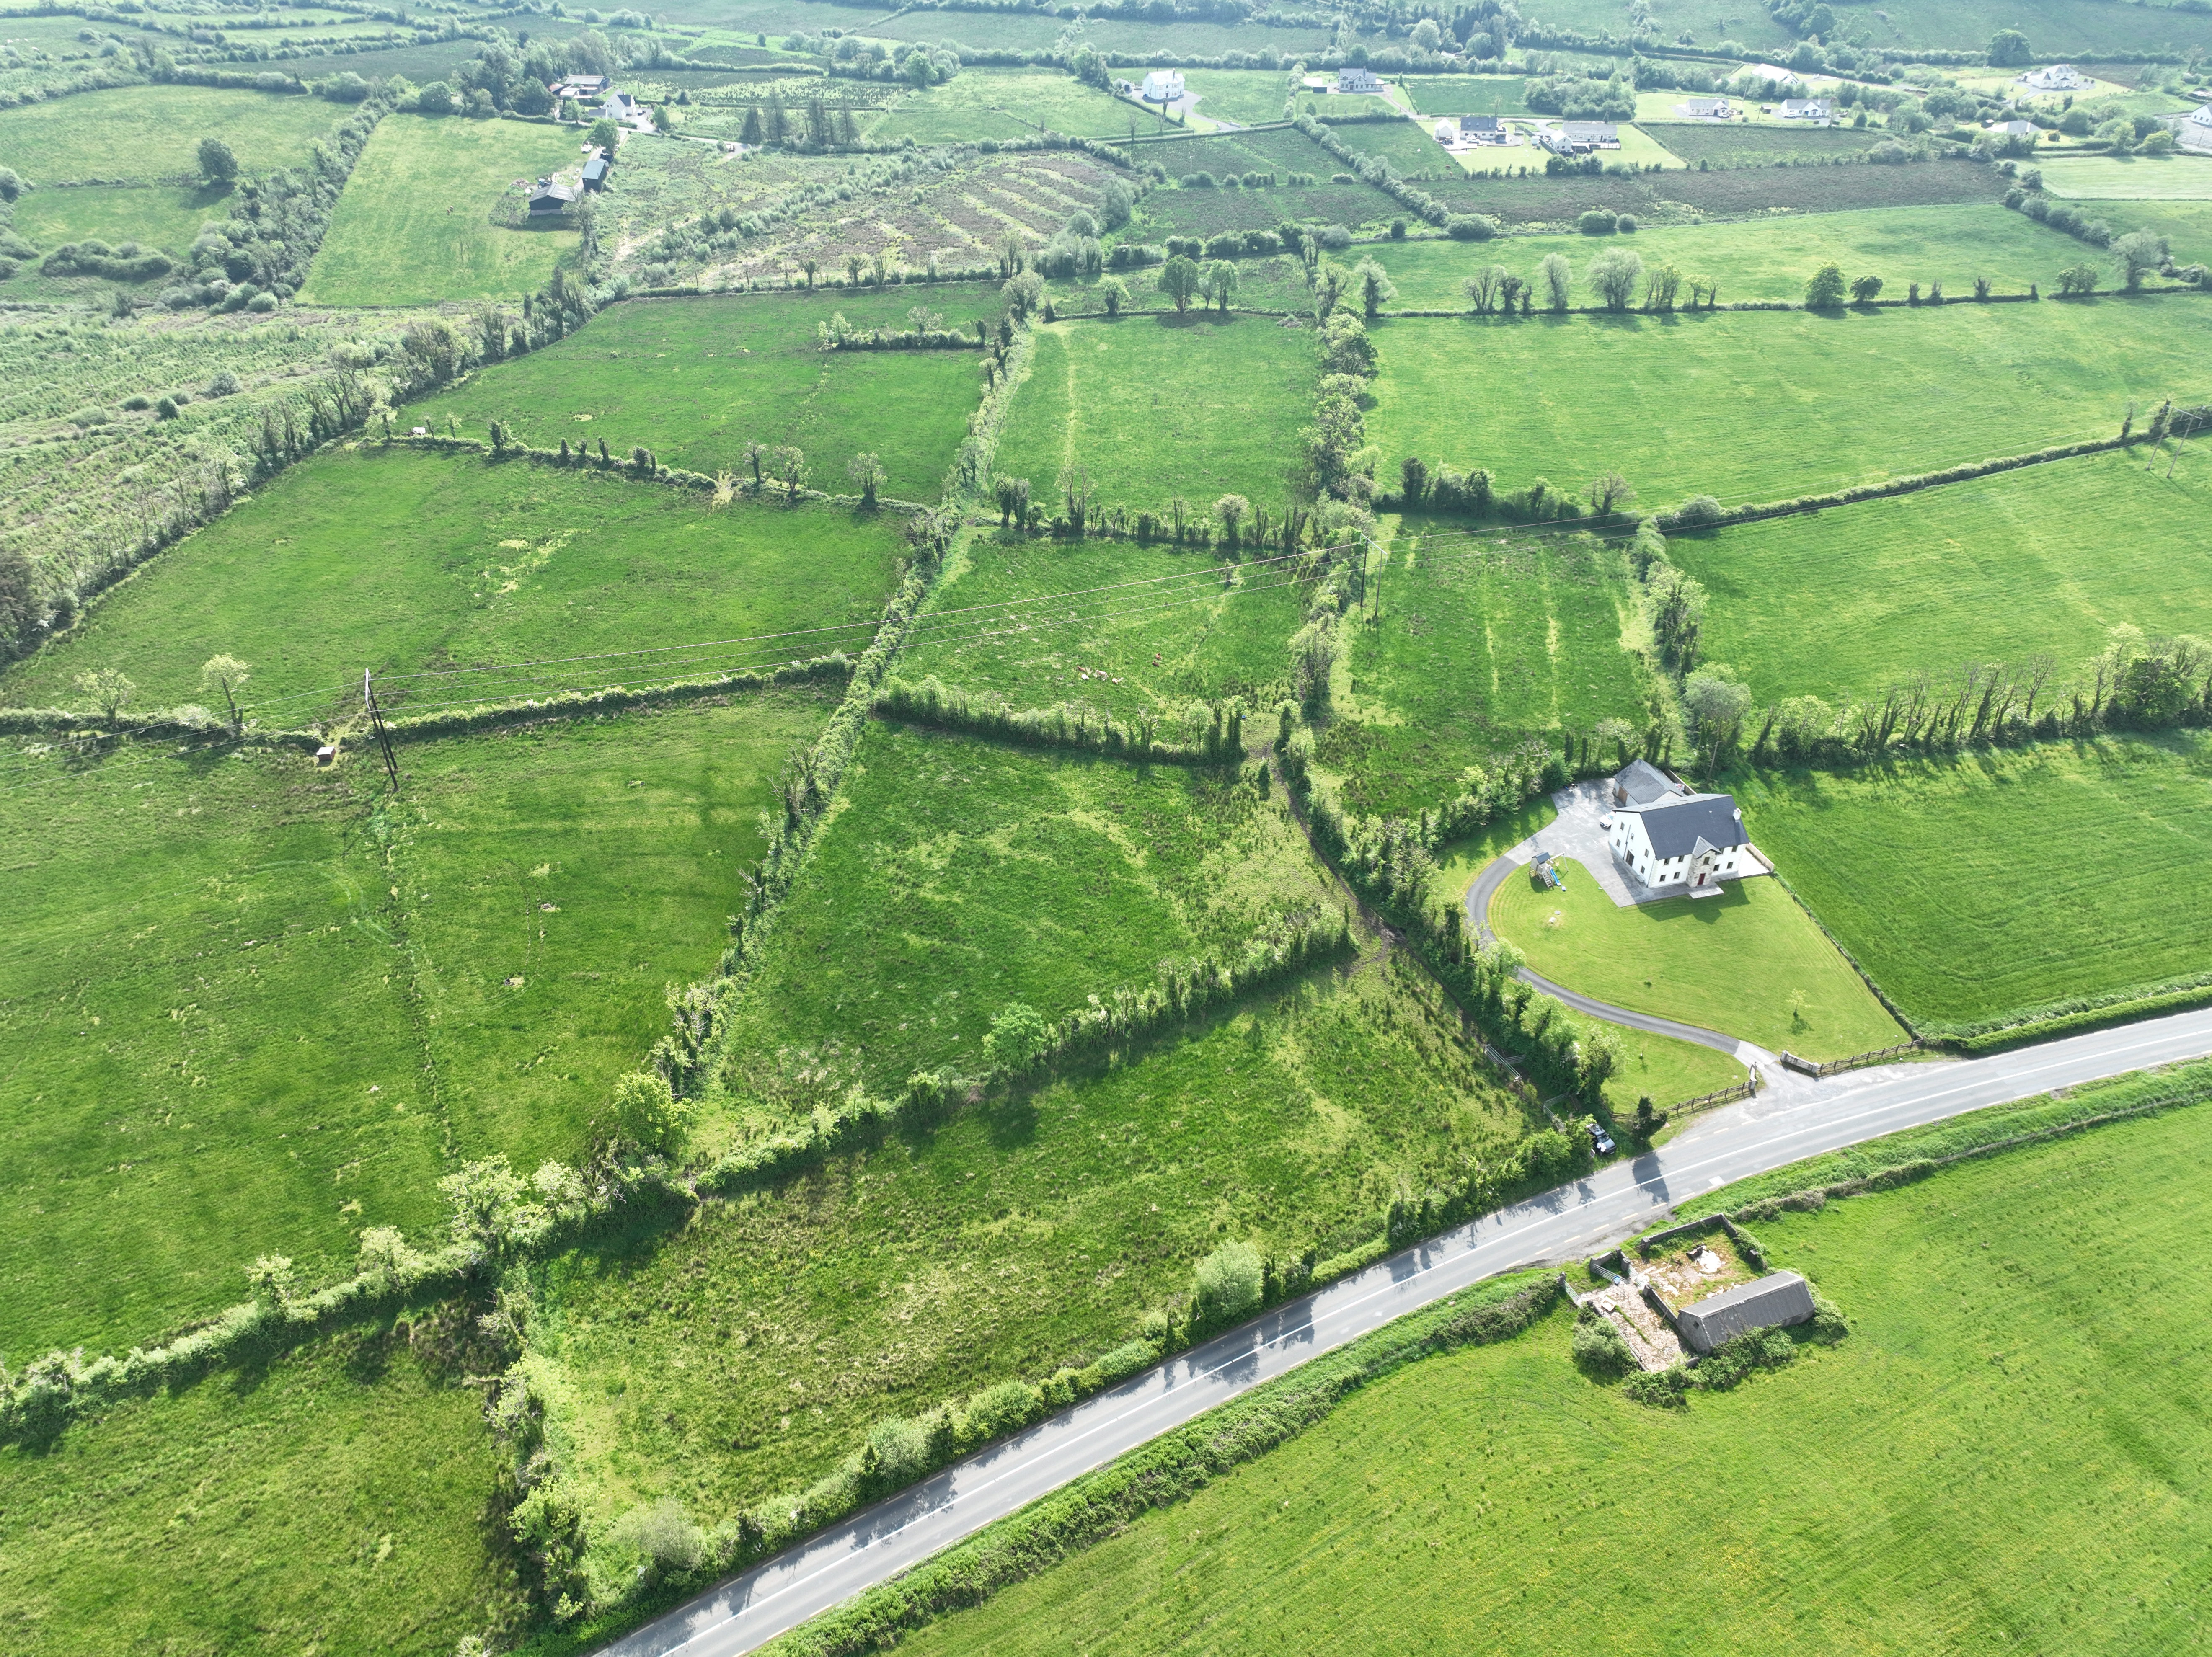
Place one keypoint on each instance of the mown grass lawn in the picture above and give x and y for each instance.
(1000, 103)
(333, 1500)
(961, 875)
(1764, 406)
(414, 226)
(749, 1353)
(1770, 258)
(152, 134)
(1847, 603)
(250, 1007)
(1993, 1459)
(397, 560)
(1153, 407)
(1479, 645)
(695, 380)
(1142, 631)
(1737, 963)
(1945, 878)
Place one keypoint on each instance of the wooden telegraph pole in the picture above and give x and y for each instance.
(376, 721)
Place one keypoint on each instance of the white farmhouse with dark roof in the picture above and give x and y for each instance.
(2055, 77)
(1355, 77)
(1667, 836)
(1163, 86)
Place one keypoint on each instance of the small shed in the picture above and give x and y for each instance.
(595, 171)
(551, 197)
(1774, 1302)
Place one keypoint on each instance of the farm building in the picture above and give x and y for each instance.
(1163, 86)
(1808, 109)
(1773, 1302)
(1591, 135)
(1669, 836)
(1355, 78)
(1446, 133)
(581, 88)
(2055, 77)
(551, 197)
(2014, 129)
(595, 170)
(1705, 109)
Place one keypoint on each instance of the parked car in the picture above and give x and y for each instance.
(1600, 1141)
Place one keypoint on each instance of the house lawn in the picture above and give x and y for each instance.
(1845, 603)
(1764, 406)
(1153, 626)
(1939, 877)
(1155, 407)
(1978, 1451)
(1000, 103)
(695, 379)
(250, 1007)
(414, 226)
(1479, 645)
(399, 560)
(1734, 963)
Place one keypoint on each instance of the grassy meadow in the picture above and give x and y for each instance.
(1939, 875)
(1249, 97)
(2178, 177)
(414, 226)
(1153, 626)
(1975, 1467)
(151, 135)
(399, 560)
(1466, 94)
(332, 1500)
(1154, 407)
(1845, 603)
(1001, 103)
(746, 1354)
(249, 1006)
(695, 380)
(158, 215)
(1768, 259)
(1734, 963)
(1477, 646)
(1763, 406)
(961, 875)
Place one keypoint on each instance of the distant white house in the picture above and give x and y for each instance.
(1354, 77)
(1446, 133)
(1808, 109)
(1483, 130)
(2055, 77)
(2195, 129)
(618, 106)
(1591, 135)
(1163, 86)
(1669, 836)
(1705, 109)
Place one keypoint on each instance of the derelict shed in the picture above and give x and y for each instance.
(1774, 1301)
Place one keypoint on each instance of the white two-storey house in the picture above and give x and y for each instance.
(1667, 836)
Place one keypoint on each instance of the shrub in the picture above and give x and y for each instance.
(661, 1534)
(997, 1410)
(1625, 224)
(1599, 1351)
(647, 1113)
(898, 1453)
(1698, 512)
(1020, 1036)
(166, 409)
(1229, 1283)
(1825, 292)
(1596, 222)
(1470, 227)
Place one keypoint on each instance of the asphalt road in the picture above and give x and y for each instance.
(1781, 1126)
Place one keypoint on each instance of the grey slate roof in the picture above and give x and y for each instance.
(1479, 124)
(1585, 132)
(1677, 823)
(1643, 782)
(1774, 1301)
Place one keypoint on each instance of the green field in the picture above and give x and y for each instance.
(1249, 97)
(1279, 152)
(2136, 178)
(1848, 602)
(1466, 94)
(152, 134)
(747, 1354)
(163, 216)
(1936, 874)
(1770, 258)
(1410, 147)
(397, 560)
(249, 1007)
(1731, 963)
(1994, 1459)
(414, 225)
(1477, 646)
(999, 103)
(1155, 407)
(1764, 407)
(1152, 626)
(1732, 144)
(332, 1500)
(962, 875)
(695, 380)
(1734, 192)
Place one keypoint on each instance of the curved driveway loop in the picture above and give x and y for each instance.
(1731, 1143)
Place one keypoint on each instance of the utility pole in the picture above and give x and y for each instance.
(376, 721)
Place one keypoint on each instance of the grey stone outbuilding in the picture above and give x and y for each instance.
(1775, 1301)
